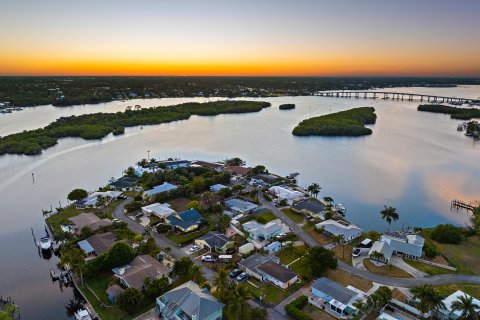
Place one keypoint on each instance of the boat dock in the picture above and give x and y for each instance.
(459, 204)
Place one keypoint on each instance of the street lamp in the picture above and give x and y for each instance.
(148, 155)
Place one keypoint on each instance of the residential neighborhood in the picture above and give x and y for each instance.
(184, 239)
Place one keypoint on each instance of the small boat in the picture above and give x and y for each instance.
(340, 208)
(82, 314)
(45, 243)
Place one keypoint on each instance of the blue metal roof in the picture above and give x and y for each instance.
(185, 219)
(85, 246)
(161, 188)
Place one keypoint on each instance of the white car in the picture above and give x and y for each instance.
(194, 249)
(356, 252)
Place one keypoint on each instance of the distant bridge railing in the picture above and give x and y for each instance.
(397, 96)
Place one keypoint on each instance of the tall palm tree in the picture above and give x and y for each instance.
(428, 299)
(236, 301)
(389, 214)
(468, 308)
(314, 189)
(362, 308)
(73, 258)
(221, 279)
(328, 200)
(195, 272)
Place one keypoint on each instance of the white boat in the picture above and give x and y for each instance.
(82, 315)
(340, 208)
(45, 243)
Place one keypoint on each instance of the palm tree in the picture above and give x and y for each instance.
(428, 299)
(314, 189)
(236, 301)
(389, 214)
(468, 308)
(195, 272)
(362, 308)
(74, 258)
(328, 200)
(221, 279)
(377, 256)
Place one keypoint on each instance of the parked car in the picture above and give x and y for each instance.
(209, 258)
(242, 276)
(116, 220)
(230, 251)
(194, 248)
(235, 273)
(121, 197)
(356, 252)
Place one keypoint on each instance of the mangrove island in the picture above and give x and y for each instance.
(454, 112)
(344, 123)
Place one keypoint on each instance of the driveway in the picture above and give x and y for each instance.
(161, 241)
(400, 263)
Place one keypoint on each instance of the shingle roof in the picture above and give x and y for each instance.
(185, 219)
(101, 242)
(160, 188)
(214, 240)
(142, 267)
(190, 299)
(334, 290)
(114, 290)
(89, 219)
(277, 271)
(124, 182)
(309, 205)
(257, 259)
(242, 171)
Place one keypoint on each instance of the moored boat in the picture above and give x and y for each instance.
(45, 243)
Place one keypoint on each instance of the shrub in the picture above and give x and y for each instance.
(287, 106)
(320, 259)
(130, 300)
(447, 233)
(77, 194)
(293, 309)
(163, 228)
(119, 254)
(430, 250)
(266, 196)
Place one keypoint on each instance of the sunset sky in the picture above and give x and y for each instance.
(247, 37)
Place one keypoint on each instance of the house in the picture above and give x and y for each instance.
(310, 206)
(97, 244)
(88, 219)
(237, 170)
(268, 178)
(274, 247)
(214, 242)
(448, 313)
(124, 184)
(217, 187)
(216, 166)
(92, 200)
(161, 210)
(268, 268)
(185, 221)
(140, 268)
(261, 232)
(164, 187)
(113, 291)
(334, 298)
(189, 301)
(283, 193)
(409, 246)
(139, 171)
(174, 164)
(334, 228)
(240, 206)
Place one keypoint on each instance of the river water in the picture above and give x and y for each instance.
(414, 161)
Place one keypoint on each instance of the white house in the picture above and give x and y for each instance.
(260, 232)
(448, 313)
(283, 193)
(91, 200)
(409, 246)
(217, 187)
(161, 210)
(336, 228)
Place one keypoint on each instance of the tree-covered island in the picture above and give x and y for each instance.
(99, 125)
(344, 123)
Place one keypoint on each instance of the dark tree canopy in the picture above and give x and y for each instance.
(320, 259)
(130, 300)
(77, 194)
(119, 254)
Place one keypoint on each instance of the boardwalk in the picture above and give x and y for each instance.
(396, 96)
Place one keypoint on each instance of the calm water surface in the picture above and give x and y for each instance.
(414, 161)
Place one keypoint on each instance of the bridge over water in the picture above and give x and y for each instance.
(397, 96)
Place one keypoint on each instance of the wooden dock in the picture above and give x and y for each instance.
(459, 204)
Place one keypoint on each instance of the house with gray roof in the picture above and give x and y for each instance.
(88, 219)
(260, 232)
(240, 206)
(312, 207)
(334, 298)
(409, 246)
(133, 274)
(214, 242)
(189, 302)
(268, 268)
(164, 187)
(97, 244)
(124, 184)
(334, 228)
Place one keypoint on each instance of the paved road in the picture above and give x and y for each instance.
(161, 241)
(443, 279)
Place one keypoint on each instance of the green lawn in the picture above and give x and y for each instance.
(471, 289)
(56, 220)
(266, 216)
(107, 311)
(301, 267)
(289, 254)
(293, 215)
(385, 270)
(428, 268)
(464, 256)
(272, 294)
